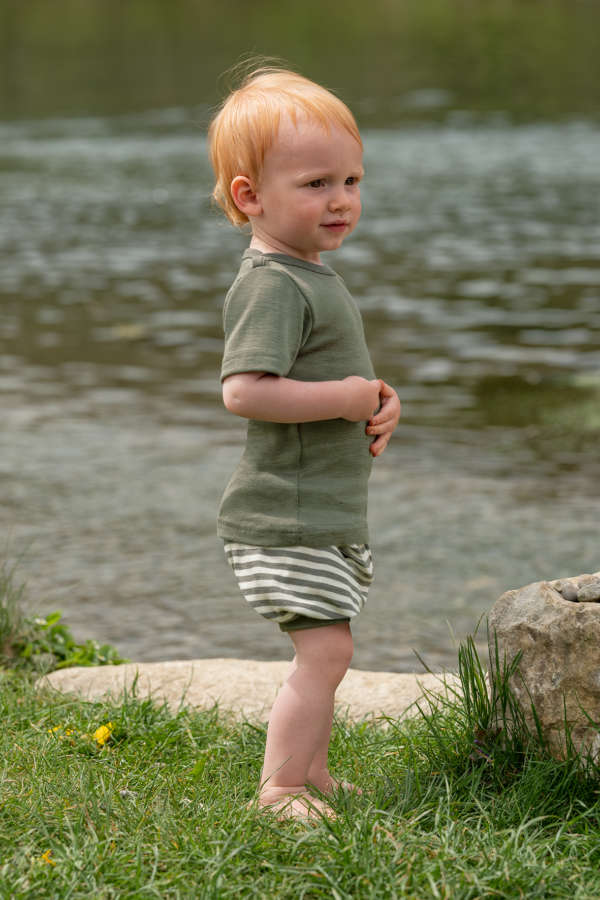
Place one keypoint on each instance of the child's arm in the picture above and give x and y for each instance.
(383, 423)
(272, 398)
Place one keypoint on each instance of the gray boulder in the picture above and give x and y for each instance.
(559, 672)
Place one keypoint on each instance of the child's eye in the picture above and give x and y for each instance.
(352, 179)
(317, 183)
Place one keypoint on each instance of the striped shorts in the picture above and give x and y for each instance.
(303, 587)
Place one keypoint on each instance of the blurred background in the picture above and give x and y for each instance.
(476, 265)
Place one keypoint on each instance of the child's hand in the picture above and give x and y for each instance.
(383, 423)
(362, 397)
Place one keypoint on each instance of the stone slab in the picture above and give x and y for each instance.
(247, 687)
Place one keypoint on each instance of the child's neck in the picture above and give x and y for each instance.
(258, 243)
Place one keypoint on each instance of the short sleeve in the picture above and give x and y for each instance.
(265, 319)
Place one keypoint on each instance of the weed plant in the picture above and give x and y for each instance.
(41, 643)
(12, 617)
(124, 799)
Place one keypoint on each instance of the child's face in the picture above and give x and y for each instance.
(309, 194)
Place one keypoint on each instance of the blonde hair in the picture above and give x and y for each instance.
(247, 124)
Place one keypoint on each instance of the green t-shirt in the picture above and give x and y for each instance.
(304, 483)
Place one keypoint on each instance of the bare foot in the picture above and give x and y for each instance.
(330, 785)
(343, 786)
(293, 803)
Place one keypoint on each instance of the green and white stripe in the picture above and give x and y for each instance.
(322, 583)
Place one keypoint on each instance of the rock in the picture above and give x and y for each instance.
(246, 688)
(590, 593)
(559, 670)
(568, 590)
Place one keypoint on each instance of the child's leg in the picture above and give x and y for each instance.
(300, 721)
(318, 771)
(316, 774)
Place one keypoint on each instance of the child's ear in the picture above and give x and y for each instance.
(245, 196)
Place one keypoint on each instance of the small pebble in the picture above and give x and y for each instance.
(590, 593)
(569, 591)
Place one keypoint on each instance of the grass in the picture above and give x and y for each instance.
(459, 802)
(158, 810)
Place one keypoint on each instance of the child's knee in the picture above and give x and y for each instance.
(344, 648)
(329, 649)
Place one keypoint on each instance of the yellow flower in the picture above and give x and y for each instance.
(102, 734)
(61, 732)
(47, 857)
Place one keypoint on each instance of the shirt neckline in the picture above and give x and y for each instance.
(320, 268)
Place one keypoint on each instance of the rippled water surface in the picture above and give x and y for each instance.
(477, 268)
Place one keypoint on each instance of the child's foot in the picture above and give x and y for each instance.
(336, 786)
(327, 784)
(293, 803)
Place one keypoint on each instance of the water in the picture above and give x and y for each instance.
(477, 268)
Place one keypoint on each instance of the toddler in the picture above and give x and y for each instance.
(287, 157)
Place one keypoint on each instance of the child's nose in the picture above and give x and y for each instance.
(338, 200)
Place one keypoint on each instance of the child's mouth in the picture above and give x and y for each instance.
(335, 226)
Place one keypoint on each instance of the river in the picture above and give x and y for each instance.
(477, 268)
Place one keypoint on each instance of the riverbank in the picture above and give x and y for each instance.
(126, 798)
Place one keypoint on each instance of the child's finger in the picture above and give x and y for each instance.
(380, 420)
(388, 412)
(379, 444)
(383, 418)
(384, 412)
(380, 428)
